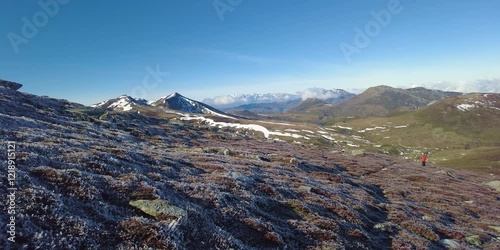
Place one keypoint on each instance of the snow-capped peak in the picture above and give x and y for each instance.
(121, 103)
(181, 103)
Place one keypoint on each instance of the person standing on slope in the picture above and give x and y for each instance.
(424, 159)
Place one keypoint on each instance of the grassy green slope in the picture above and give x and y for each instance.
(460, 131)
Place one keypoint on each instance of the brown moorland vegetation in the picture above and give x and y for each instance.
(127, 181)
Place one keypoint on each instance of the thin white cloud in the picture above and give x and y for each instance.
(491, 85)
(318, 93)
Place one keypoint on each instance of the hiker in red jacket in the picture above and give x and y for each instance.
(424, 159)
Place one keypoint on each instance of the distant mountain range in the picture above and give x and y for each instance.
(175, 101)
(377, 101)
(278, 103)
(231, 101)
(284, 101)
(266, 108)
(491, 85)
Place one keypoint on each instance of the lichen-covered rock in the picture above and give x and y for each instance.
(449, 244)
(358, 152)
(474, 240)
(495, 185)
(158, 207)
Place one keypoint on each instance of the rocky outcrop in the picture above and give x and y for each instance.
(10, 85)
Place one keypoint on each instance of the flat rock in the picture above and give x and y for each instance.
(449, 244)
(158, 207)
(358, 152)
(474, 240)
(495, 185)
(10, 85)
(305, 188)
(495, 228)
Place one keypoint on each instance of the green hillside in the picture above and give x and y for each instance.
(459, 131)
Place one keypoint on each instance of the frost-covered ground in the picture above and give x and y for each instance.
(89, 179)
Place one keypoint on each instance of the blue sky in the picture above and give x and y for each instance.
(95, 50)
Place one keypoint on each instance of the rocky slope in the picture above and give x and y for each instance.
(96, 180)
(10, 85)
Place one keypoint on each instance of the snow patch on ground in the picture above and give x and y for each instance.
(213, 123)
(402, 126)
(375, 128)
(217, 114)
(329, 138)
(465, 107)
(296, 136)
(253, 127)
(348, 128)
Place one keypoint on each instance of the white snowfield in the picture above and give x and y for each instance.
(338, 126)
(213, 123)
(465, 107)
(370, 129)
(124, 104)
(253, 127)
(296, 136)
(218, 114)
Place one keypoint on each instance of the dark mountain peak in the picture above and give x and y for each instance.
(174, 95)
(176, 101)
(10, 85)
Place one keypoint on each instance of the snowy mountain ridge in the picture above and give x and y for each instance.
(174, 101)
(231, 101)
(241, 99)
(122, 103)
